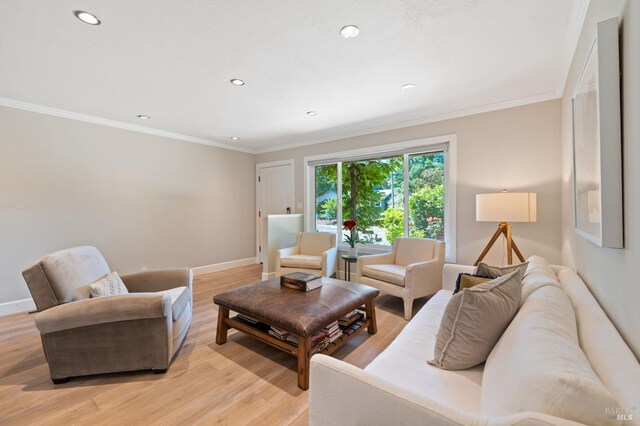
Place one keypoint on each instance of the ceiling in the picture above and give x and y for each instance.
(173, 60)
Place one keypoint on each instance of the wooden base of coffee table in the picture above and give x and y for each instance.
(303, 350)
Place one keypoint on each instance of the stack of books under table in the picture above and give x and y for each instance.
(284, 335)
(319, 342)
(333, 331)
(350, 322)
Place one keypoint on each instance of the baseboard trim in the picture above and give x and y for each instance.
(268, 275)
(207, 269)
(16, 306)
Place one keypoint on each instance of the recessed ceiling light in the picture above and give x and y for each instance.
(143, 117)
(349, 31)
(408, 86)
(312, 113)
(234, 138)
(237, 82)
(86, 17)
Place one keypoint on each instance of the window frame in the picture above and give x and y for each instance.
(446, 143)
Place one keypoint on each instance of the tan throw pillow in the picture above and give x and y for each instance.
(498, 271)
(474, 320)
(109, 285)
(469, 280)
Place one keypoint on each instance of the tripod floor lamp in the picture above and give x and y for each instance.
(505, 207)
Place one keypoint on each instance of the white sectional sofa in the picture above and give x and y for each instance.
(400, 388)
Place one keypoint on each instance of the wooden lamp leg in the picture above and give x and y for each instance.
(509, 245)
(493, 239)
(503, 228)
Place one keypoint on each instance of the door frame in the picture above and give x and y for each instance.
(290, 162)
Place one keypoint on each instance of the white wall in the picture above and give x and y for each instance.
(515, 148)
(612, 274)
(143, 200)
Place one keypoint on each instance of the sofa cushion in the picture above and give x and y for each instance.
(315, 243)
(109, 285)
(403, 364)
(180, 299)
(538, 366)
(474, 320)
(390, 273)
(538, 275)
(498, 271)
(413, 250)
(301, 261)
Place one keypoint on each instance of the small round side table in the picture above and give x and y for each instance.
(348, 260)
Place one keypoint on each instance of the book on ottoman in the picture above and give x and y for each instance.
(301, 281)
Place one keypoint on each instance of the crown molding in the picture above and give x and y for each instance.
(118, 124)
(394, 126)
(425, 120)
(576, 22)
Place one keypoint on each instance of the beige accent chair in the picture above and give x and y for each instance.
(314, 253)
(412, 269)
(81, 336)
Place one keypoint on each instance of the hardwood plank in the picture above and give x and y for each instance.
(243, 381)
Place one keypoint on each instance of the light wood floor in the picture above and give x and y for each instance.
(241, 382)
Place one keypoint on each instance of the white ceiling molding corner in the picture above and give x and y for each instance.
(10, 103)
(578, 15)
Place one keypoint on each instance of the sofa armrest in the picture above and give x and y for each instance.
(329, 261)
(424, 278)
(158, 280)
(341, 393)
(101, 310)
(450, 272)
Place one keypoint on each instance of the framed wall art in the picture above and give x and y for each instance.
(597, 149)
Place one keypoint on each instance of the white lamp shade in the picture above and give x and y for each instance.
(506, 207)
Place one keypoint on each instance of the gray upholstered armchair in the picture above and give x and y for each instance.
(82, 335)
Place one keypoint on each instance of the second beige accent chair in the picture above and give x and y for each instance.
(411, 270)
(314, 253)
(83, 336)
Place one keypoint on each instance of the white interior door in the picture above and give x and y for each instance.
(274, 193)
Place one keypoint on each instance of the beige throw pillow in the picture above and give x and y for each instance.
(498, 271)
(109, 285)
(474, 320)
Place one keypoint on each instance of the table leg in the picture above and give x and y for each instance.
(371, 314)
(223, 327)
(304, 355)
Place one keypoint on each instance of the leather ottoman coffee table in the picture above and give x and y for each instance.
(303, 314)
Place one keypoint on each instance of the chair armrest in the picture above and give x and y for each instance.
(101, 310)
(158, 280)
(373, 259)
(329, 261)
(424, 278)
(450, 273)
(289, 251)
